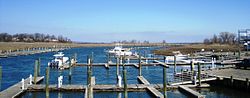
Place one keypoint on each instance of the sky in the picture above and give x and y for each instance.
(112, 20)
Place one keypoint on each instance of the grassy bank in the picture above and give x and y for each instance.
(192, 48)
(24, 45)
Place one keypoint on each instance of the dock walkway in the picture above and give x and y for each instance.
(16, 89)
(161, 63)
(150, 88)
(191, 92)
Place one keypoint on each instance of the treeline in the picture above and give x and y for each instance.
(131, 42)
(222, 38)
(36, 37)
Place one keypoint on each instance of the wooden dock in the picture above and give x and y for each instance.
(190, 82)
(143, 80)
(114, 64)
(28, 52)
(153, 90)
(16, 90)
(161, 63)
(191, 92)
(136, 65)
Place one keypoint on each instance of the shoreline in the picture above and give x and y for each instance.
(10, 49)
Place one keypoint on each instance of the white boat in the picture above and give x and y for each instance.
(178, 55)
(59, 61)
(118, 50)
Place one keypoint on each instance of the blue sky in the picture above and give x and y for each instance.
(111, 20)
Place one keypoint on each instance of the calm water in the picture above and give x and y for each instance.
(170, 94)
(223, 92)
(16, 68)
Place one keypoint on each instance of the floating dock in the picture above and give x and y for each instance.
(191, 92)
(154, 91)
(16, 90)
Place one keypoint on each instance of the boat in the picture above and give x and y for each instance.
(118, 51)
(59, 61)
(179, 56)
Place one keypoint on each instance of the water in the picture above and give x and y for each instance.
(53, 95)
(16, 68)
(141, 94)
(223, 92)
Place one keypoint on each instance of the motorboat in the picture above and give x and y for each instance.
(118, 51)
(178, 55)
(59, 61)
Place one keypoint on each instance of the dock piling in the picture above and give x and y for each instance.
(199, 73)
(140, 65)
(164, 82)
(30, 81)
(174, 64)
(117, 66)
(231, 81)
(22, 84)
(70, 71)
(39, 65)
(125, 84)
(47, 82)
(75, 57)
(35, 71)
(247, 83)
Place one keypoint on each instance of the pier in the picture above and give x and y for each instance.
(191, 92)
(17, 88)
(155, 92)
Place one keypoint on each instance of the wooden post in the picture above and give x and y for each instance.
(231, 81)
(239, 54)
(35, 71)
(182, 75)
(117, 66)
(39, 65)
(47, 82)
(125, 84)
(164, 82)
(89, 71)
(88, 68)
(174, 64)
(247, 83)
(192, 69)
(164, 59)
(109, 59)
(192, 66)
(140, 65)
(199, 73)
(92, 56)
(75, 57)
(70, 73)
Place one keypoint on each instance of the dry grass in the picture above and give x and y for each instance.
(24, 45)
(189, 49)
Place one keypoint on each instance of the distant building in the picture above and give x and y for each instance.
(244, 38)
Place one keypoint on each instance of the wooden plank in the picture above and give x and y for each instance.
(150, 88)
(16, 90)
(155, 92)
(136, 65)
(161, 63)
(143, 80)
(189, 82)
(106, 65)
(191, 92)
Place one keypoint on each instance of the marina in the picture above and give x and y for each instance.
(135, 74)
(124, 49)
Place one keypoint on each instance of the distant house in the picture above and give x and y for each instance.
(15, 39)
(54, 40)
